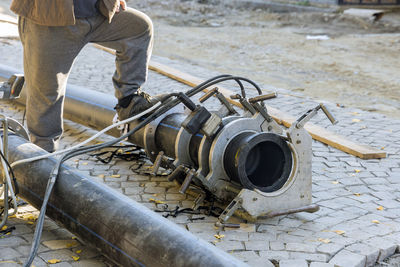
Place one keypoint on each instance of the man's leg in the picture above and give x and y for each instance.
(49, 53)
(131, 34)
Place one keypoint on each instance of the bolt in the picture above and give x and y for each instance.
(255, 199)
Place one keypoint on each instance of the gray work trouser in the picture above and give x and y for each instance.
(49, 53)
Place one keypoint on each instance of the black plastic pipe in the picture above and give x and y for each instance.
(122, 229)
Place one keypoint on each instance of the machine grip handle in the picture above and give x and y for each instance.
(187, 181)
(328, 114)
(262, 97)
(177, 173)
(208, 95)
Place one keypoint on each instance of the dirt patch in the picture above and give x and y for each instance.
(355, 66)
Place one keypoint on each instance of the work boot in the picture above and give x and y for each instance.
(133, 104)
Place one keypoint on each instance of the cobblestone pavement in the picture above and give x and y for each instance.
(358, 223)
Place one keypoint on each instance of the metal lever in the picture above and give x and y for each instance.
(177, 173)
(222, 99)
(235, 97)
(262, 97)
(328, 114)
(187, 181)
(244, 103)
(157, 163)
(263, 112)
(208, 95)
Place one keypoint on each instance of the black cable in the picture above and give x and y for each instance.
(222, 79)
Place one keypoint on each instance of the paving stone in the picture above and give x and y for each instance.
(61, 254)
(204, 227)
(275, 255)
(61, 264)
(50, 225)
(9, 264)
(230, 245)
(25, 250)
(22, 229)
(89, 263)
(9, 254)
(257, 262)
(275, 245)
(154, 190)
(389, 203)
(386, 247)
(235, 235)
(263, 236)
(12, 241)
(346, 258)
(370, 252)
(60, 244)
(286, 238)
(245, 255)
(256, 245)
(133, 190)
(330, 248)
(301, 247)
(176, 197)
(293, 263)
(308, 256)
(290, 222)
(302, 233)
(359, 234)
(321, 264)
(36, 262)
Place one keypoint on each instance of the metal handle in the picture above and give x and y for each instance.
(157, 163)
(328, 114)
(187, 181)
(208, 95)
(237, 96)
(176, 173)
(263, 97)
